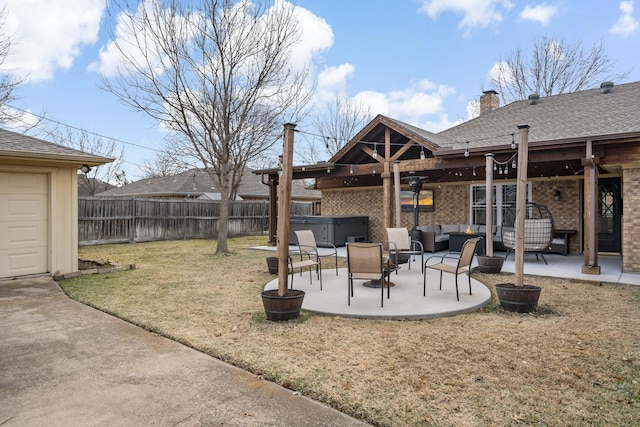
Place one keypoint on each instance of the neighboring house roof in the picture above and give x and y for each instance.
(18, 146)
(90, 186)
(568, 117)
(194, 183)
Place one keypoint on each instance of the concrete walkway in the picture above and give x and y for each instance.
(65, 364)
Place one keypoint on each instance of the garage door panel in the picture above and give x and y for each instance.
(20, 263)
(23, 183)
(23, 234)
(23, 206)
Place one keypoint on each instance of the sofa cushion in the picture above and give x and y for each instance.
(426, 228)
(441, 238)
(450, 228)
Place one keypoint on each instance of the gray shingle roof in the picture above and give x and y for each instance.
(18, 145)
(193, 183)
(569, 116)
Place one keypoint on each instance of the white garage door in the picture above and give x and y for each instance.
(23, 224)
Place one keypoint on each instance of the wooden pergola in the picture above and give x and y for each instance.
(384, 147)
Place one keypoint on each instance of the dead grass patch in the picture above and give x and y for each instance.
(574, 362)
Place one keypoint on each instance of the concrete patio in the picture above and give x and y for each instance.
(407, 301)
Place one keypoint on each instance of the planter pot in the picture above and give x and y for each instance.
(521, 299)
(490, 264)
(272, 264)
(286, 307)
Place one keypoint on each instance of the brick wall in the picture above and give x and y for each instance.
(631, 220)
(567, 212)
(451, 204)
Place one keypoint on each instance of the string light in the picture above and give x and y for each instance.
(375, 151)
(513, 163)
(466, 151)
(422, 153)
(351, 169)
(513, 142)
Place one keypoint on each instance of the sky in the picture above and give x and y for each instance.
(419, 61)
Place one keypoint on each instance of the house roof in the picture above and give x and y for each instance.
(194, 183)
(374, 133)
(18, 146)
(576, 116)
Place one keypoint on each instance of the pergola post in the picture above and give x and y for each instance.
(273, 210)
(590, 213)
(521, 202)
(284, 209)
(489, 201)
(396, 193)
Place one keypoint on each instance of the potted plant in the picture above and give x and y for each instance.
(283, 303)
(517, 296)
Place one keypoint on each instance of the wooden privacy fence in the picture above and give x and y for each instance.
(128, 219)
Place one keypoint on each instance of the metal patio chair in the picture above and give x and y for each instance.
(462, 265)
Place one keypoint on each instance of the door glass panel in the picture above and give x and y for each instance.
(606, 208)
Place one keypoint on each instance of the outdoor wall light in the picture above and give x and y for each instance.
(85, 168)
(557, 196)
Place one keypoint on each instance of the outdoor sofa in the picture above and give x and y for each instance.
(435, 237)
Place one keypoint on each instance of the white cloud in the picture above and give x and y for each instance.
(541, 13)
(49, 35)
(626, 24)
(417, 104)
(316, 37)
(332, 81)
(500, 71)
(475, 13)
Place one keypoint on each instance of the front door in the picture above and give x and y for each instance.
(609, 215)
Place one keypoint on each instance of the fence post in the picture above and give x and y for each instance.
(133, 219)
(184, 219)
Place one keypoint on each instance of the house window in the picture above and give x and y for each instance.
(504, 195)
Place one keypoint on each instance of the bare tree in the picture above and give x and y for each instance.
(553, 66)
(94, 181)
(337, 124)
(8, 83)
(167, 162)
(217, 75)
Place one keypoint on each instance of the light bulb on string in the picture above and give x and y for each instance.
(375, 151)
(495, 167)
(422, 153)
(513, 142)
(513, 163)
(351, 169)
(466, 152)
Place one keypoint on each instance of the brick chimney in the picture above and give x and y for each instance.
(489, 101)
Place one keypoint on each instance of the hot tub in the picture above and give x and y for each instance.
(337, 230)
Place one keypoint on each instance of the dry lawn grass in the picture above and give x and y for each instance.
(576, 362)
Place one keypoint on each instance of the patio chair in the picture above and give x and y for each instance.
(463, 264)
(400, 243)
(366, 262)
(307, 242)
(307, 260)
